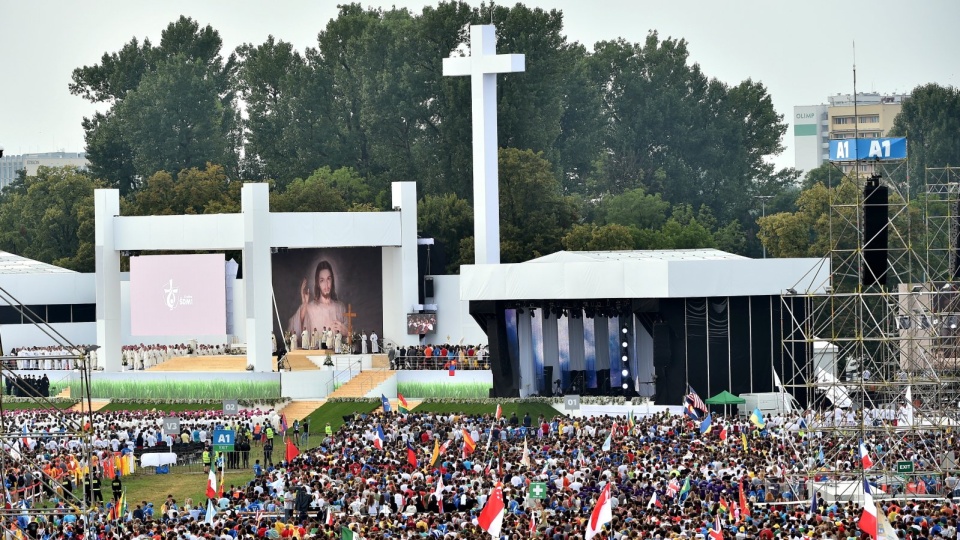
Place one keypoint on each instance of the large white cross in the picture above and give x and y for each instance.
(482, 66)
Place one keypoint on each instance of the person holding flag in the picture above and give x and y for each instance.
(601, 515)
(379, 438)
(385, 403)
(491, 517)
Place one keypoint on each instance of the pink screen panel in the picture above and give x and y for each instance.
(177, 295)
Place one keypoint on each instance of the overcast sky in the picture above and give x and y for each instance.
(800, 49)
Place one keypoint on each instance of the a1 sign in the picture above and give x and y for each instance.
(538, 490)
(171, 426)
(231, 407)
(904, 467)
(571, 403)
(223, 440)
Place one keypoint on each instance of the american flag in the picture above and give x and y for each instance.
(695, 400)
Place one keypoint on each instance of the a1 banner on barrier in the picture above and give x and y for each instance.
(887, 148)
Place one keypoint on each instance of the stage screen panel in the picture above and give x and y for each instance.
(178, 295)
(421, 323)
(327, 287)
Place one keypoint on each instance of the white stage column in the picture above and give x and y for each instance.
(400, 285)
(106, 204)
(257, 274)
(482, 66)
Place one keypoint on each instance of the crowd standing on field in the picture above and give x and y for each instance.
(430, 476)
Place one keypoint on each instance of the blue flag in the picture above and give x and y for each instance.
(706, 424)
(820, 459)
(813, 504)
(385, 402)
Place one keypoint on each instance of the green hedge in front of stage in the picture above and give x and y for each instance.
(187, 390)
(423, 390)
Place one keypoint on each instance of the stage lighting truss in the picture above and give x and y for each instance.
(879, 364)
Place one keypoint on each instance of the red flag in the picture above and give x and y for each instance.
(212, 484)
(491, 517)
(411, 456)
(723, 433)
(602, 513)
(468, 443)
(292, 451)
(744, 508)
(107, 462)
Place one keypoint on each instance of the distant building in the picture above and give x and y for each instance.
(815, 125)
(10, 165)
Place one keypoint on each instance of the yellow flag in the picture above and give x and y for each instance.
(743, 438)
(436, 452)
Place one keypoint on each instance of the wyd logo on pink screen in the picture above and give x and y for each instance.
(173, 298)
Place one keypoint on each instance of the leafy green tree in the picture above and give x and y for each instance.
(316, 193)
(534, 215)
(51, 218)
(172, 106)
(635, 208)
(447, 219)
(590, 237)
(192, 191)
(930, 120)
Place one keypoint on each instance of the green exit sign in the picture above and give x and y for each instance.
(904, 467)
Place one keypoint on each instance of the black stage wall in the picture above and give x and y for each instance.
(713, 344)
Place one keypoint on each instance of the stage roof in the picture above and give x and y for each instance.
(15, 264)
(684, 273)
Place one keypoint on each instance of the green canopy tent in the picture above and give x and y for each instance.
(725, 398)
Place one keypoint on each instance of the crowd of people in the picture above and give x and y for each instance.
(430, 475)
(133, 357)
(441, 356)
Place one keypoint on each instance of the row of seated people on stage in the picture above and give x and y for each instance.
(133, 357)
(449, 357)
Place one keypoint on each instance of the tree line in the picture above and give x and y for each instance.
(615, 146)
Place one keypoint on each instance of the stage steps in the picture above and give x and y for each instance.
(298, 410)
(95, 405)
(65, 393)
(363, 382)
(379, 361)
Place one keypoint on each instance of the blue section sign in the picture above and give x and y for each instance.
(223, 440)
(868, 149)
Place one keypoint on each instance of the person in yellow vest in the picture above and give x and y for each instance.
(207, 459)
(270, 433)
(328, 430)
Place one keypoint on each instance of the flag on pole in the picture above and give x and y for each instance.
(868, 518)
(654, 501)
(212, 484)
(533, 522)
(631, 421)
(673, 488)
(814, 506)
(716, 533)
(439, 493)
(292, 451)
(499, 412)
(706, 424)
(283, 423)
(723, 433)
(402, 406)
(379, 438)
(211, 511)
(329, 521)
(685, 490)
(756, 418)
(885, 530)
(346, 533)
(820, 457)
(436, 452)
(468, 443)
(411, 456)
(743, 439)
(607, 444)
(385, 403)
(525, 459)
(744, 507)
(601, 515)
(865, 458)
(693, 405)
(491, 517)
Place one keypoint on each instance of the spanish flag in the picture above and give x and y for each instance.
(468, 443)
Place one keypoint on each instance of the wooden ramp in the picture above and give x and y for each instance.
(364, 382)
(298, 410)
(96, 405)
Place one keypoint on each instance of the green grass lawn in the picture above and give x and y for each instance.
(31, 405)
(168, 407)
(535, 409)
(334, 413)
(154, 488)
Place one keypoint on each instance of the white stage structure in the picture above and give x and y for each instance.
(255, 231)
(698, 316)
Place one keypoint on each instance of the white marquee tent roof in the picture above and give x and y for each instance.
(581, 275)
(15, 264)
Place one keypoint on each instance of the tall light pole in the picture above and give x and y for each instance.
(763, 213)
